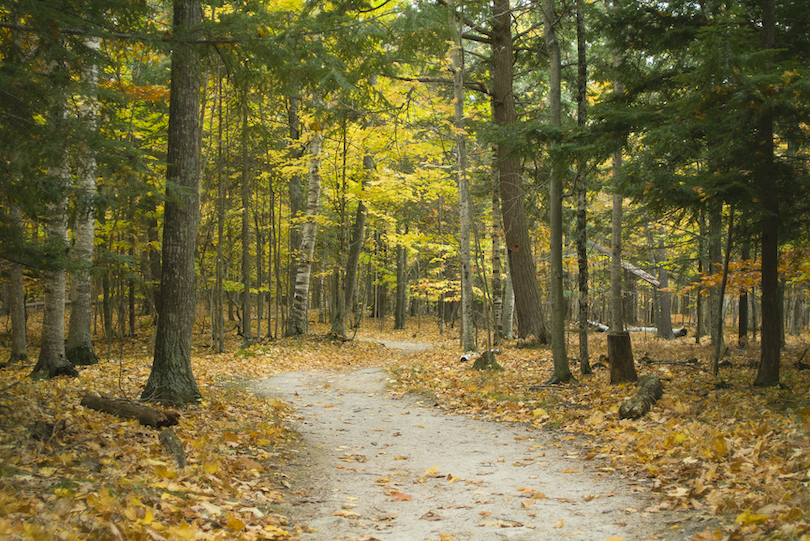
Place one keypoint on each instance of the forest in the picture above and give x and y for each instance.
(196, 176)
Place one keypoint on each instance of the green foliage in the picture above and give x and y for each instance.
(695, 82)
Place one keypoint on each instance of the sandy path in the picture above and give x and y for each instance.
(373, 466)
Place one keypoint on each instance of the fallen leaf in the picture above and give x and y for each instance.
(399, 496)
(345, 513)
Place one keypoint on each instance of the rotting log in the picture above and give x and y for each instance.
(172, 443)
(650, 390)
(146, 415)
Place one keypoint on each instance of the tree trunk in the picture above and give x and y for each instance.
(508, 305)
(582, 195)
(297, 323)
(528, 305)
(358, 236)
(218, 317)
(247, 327)
(52, 361)
(665, 323)
(402, 287)
(620, 357)
(715, 262)
(722, 294)
(496, 262)
(16, 298)
(171, 380)
(561, 370)
(616, 315)
(296, 193)
(79, 348)
(768, 373)
(467, 335)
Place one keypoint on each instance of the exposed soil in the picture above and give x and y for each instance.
(374, 465)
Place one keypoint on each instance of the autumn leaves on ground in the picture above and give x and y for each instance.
(715, 445)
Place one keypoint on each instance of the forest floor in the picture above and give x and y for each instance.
(311, 439)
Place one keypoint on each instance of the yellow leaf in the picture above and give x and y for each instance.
(559, 524)
(131, 513)
(747, 518)
(211, 467)
(432, 470)
(184, 530)
(276, 533)
(148, 518)
(234, 523)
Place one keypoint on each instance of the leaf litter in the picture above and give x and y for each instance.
(736, 457)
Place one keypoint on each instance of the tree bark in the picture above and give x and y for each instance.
(620, 356)
(722, 294)
(742, 329)
(770, 355)
(297, 323)
(16, 294)
(467, 336)
(561, 370)
(358, 235)
(496, 262)
(402, 285)
(52, 361)
(650, 391)
(582, 195)
(715, 262)
(145, 415)
(665, 324)
(171, 380)
(528, 305)
(79, 347)
(247, 326)
(296, 193)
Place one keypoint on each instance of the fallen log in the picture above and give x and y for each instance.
(172, 443)
(648, 394)
(146, 415)
(690, 362)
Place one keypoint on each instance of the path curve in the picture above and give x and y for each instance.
(373, 466)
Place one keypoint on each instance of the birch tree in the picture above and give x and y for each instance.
(297, 323)
(79, 347)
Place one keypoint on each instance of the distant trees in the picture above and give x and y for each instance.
(360, 121)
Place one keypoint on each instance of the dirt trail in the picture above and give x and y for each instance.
(374, 466)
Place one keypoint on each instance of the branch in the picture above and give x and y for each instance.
(478, 87)
(124, 36)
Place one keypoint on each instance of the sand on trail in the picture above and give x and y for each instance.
(373, 465)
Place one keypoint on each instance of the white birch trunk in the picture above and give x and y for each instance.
(298, 320)
(79, 348)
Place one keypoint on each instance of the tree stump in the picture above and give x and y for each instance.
(146, 415)
(620, 357)
(172, 443)
(648, 394)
